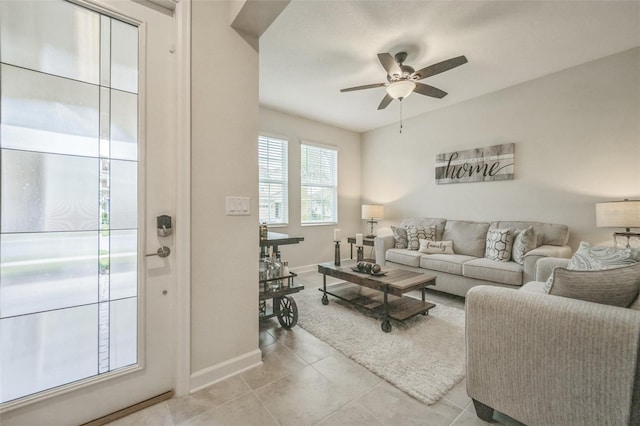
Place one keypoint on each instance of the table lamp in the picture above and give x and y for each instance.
(619, 214)
(370, 212)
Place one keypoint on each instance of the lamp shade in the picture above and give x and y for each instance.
(372, 211)
(618, 214)
(400, 89)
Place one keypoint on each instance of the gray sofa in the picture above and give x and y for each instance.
(550, 360)
(467, 267)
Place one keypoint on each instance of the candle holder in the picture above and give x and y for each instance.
(360, 254)
(336, 256)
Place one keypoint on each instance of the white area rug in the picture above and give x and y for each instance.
(424, 356)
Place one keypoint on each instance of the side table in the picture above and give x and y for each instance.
(365, 241)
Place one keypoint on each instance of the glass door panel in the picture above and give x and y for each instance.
(69, 228)
(123, 192)
(45, 113)
(123, 264)
(123, 336)
(48, 192)
(54, 37)
(124, 57)
(47, 349)
(124, 125)
(46, 271)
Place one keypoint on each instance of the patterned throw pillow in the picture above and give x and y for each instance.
(415, 233)
(590, 257)
(399, 237)
(597, 258)
(432, 247)
(525, 241)
(498, 246)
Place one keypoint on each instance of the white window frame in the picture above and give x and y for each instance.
(276, 203)
(328, 185)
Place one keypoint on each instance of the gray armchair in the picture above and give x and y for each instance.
(550, 360)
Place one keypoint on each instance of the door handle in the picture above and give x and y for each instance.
(163, 251)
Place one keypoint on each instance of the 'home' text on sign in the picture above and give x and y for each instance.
(476, 165)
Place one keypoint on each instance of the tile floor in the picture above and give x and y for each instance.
(303, 381)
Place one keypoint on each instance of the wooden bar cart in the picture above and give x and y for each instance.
(283, 306)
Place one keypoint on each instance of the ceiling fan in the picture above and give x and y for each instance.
(402, 80)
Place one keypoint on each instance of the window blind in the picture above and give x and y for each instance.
(319, 184)
(273, 180)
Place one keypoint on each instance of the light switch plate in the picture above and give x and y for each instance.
(238, 206)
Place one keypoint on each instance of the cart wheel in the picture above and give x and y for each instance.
(325, 300)
(386, 326)
(287, 311)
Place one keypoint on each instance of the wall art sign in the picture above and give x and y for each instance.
(476, 165)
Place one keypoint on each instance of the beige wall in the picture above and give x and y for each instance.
(318, 240)
(224, 291)
(577, 142)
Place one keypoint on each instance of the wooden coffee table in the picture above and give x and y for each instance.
(382, 294)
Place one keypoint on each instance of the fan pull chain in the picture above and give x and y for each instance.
(401, 116)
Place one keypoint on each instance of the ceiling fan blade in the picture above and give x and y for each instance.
(389, 64)
(385, 101)
(425, 89)
(366, 86)
(440, 67)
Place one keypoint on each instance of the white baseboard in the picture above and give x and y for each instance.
(216, 373)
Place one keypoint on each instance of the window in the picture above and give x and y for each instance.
(273, 180)
(319, 178)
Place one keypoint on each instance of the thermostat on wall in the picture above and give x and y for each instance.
(238, 206)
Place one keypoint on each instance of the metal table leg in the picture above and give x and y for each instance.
(325, 299)
(386, 324)
(424, 291)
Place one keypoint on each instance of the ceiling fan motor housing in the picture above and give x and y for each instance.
(406, 70)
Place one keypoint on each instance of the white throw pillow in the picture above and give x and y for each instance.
(433, 247)
(499, 245)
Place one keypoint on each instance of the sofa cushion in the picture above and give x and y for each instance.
(425, 222)
(491, 270)
(547, 233)
(417, 233)
(436, 247)
(498, 245)
(404, 257)
(449, 263)
(616, 287)
(468, 237)
(524, 241)
(400, 238)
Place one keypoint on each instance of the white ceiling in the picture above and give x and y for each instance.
(315, 48)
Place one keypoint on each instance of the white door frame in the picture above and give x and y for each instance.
(182, 384)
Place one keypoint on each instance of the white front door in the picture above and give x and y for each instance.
(87, 150)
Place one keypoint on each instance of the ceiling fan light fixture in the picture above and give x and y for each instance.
(400, 89)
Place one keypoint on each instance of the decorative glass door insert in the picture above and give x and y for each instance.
(69, 196)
